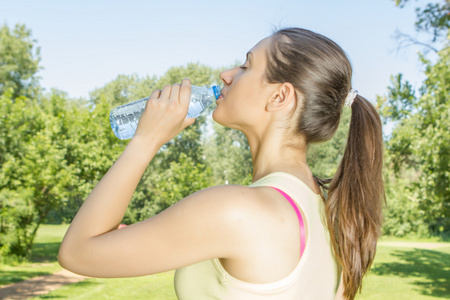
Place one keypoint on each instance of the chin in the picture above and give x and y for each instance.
(224, 121)
(217, 118)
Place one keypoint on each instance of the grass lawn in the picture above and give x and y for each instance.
(411, 271)
(402, 270)
(155, 287)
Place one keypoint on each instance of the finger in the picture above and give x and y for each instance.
(175, 92)
(165, 92)
(185, 91)
(155, 94)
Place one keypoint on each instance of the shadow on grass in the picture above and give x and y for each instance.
(74, 286)
(45, 252)
(431, 268)
(7, 277)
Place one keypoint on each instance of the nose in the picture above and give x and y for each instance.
(227, 76)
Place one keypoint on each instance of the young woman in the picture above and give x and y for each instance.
(279, 238)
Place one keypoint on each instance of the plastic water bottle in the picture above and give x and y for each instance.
(124, 119)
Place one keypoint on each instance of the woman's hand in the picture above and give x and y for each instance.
(165, 114)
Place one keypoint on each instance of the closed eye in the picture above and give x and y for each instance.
(247, 59)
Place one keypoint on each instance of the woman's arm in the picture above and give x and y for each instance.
(172, 239)
(202, 226)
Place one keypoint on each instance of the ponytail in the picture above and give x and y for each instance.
(355, 197)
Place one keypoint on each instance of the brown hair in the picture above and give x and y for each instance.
(321, 74)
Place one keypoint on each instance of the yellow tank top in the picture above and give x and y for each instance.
(315, 277)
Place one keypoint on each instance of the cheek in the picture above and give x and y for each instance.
(241, 105)
(235, 115)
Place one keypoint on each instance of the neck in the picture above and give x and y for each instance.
(270, 153)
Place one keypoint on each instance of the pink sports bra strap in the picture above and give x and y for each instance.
(300, 220)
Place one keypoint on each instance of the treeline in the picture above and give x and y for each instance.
(54, 149)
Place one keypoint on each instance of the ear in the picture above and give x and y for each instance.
(283, 97)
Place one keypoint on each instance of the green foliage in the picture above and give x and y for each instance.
(199, 75)
(19, 62)
(33, 159)
(20, 145)
(402, 214)
(16, 214)
(419, 142)
(49, 146)
(124, 89)
(402, 97)
(324, 158)
(434, 18)
(417, 150)
(182, 178)
(91, 148)
(228, 154)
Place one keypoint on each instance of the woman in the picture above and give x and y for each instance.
(280, 237)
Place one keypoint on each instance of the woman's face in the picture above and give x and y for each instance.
(245, 91)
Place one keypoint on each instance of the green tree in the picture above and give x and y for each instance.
(31, 164)
(124, 89)
(324, 158)
(16, 215)
(53, 152)
(417, 154)
(228, 154)
(91, 147)
(199, 74)
(19, 62)
(419, 141)
(162, 187)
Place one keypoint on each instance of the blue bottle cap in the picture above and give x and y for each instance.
(217, 90)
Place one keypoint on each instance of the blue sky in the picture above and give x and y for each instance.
(85, 44)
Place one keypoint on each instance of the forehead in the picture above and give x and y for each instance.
(260, 49)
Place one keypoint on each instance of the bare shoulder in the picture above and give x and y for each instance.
(233, 213)
(227, 203)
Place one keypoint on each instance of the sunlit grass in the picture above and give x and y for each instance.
(155, 287)
(409, 273)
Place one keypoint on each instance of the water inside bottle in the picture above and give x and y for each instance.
(124, 119)
(198, 103)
